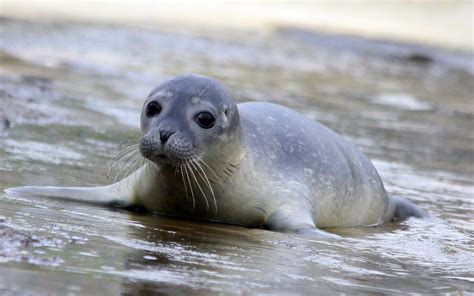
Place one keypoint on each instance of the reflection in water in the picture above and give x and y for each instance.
(72, 93)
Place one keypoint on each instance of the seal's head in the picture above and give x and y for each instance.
(188, 117)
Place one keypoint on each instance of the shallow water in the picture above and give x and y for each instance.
(72, 93)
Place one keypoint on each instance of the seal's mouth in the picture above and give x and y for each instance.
(154, 151)
(162, 157)
(173, 152)
(166, 158)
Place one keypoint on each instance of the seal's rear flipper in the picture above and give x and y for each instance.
(405, 208)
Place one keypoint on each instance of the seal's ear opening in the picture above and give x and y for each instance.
(226, 112)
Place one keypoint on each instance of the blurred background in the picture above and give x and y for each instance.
(394, 77)
(445, 23)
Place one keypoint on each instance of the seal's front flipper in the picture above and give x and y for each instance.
(317, 233)
(97, 195)
(121, 194)
(296, 220)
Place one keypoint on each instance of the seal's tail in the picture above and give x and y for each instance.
(405, 208)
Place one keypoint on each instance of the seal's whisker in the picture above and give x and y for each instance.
(146, 165)
(219, 179)
(126, 153)
(127, 149)
(131, 160)
(142, 164)
(190, 186)
(176, 168)
(199, 186)
(202, 178)
(206, 179)
(133, 167)
(126, 161)
(126, 143)
(124, 166)
(184, 183)
(118, 158)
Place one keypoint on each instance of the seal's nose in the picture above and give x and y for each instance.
(165, 135)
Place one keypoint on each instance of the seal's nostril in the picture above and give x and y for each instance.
(165, 135)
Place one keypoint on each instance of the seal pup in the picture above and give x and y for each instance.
(252, 164)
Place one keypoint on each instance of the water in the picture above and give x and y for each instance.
(72, 93)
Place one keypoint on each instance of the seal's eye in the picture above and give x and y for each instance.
(205, 120)
(152, 109)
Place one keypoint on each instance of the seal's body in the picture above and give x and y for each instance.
(253, 164)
